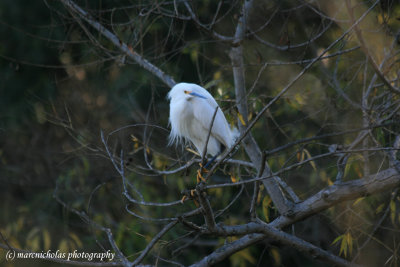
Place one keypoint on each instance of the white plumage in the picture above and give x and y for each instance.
(191, 112)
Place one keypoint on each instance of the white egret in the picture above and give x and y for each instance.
(191, 113)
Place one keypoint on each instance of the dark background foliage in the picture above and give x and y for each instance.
(63, 84)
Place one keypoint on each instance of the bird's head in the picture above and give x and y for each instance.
(187, 91)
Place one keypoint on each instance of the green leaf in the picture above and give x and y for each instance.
(346, 244)
(46, 239)
(76, 239)
(350, 243)
(266, 203)
(63, 246)
(337, 239)
(379, 208)
(358, 201)
(343, 247)
(392, 210)
(312, 163)
(276, 256)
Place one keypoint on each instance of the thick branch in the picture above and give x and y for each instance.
(252, 228)
(384, 180)
(330, 196)
(249, 143)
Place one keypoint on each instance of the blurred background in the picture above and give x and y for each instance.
(62, 84)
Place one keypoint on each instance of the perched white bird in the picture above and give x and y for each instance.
(191, 112)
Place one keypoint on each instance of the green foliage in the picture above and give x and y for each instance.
(346, 244)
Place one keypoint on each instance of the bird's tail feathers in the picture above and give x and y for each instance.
(175, 138)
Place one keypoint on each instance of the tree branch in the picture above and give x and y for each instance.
(251, 147)
(253, 229)
(206, 207)
(324, 199)
(75, 9)
(153, 242)
(332, 195)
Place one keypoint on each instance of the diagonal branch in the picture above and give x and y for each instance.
(332, 195)
(153, 242)
(257, 230)
(128, 51)
(204, 153)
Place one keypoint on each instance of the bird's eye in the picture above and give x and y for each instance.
(186, 92)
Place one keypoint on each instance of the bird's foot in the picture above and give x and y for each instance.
(200, 177)
(188, 194)
(200, 172)
(184, 198)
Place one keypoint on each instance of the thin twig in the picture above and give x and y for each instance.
(204, 153)
(155, 239)
(206, 207)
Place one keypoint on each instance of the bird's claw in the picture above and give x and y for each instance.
(200, 177)
(193, 192)
(188, 195)
(200, 173)
(184, 198)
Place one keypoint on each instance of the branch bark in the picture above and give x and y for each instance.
(250, 145)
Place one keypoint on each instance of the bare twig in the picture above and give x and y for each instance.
(120, 170)
(206, 207)
(154, 241)
(204, 153)
(293, 46)
(213, 33)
